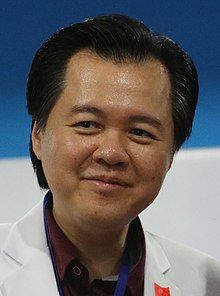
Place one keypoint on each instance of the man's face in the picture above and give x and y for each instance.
(107, 145)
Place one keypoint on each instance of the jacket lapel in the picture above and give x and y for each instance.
(157, 268)
(34, 278)
(27, 254)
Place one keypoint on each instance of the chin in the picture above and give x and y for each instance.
(108, 219)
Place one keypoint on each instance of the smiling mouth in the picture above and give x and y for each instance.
(108, 183)
(103, 186)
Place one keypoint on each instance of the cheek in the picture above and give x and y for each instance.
(153, 167)
(78, 151)
(66, 153)
(151, 173)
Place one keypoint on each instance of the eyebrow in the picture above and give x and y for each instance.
(149, 119)
(86, 109)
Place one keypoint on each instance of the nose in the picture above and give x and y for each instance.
(111, 151)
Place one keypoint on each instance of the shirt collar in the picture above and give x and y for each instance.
(63, 248)
(65, 251)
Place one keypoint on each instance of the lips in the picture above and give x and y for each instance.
(109, 180)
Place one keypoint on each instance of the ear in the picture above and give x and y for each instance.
(36, 140)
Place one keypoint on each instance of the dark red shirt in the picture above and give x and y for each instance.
(74, 276)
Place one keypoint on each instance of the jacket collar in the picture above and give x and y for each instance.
(157, 268)
(28, 234)
(26, 252)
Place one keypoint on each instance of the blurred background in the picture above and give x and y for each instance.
(188, 207)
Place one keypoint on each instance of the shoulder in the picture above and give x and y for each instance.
(175, 250)
(4, 230)
(29, 229)
(188, 263)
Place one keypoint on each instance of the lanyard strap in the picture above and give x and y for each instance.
(122, 280)
(47, 200)
(124, 268)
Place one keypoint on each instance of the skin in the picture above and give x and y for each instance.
(105, 151)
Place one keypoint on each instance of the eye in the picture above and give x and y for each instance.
(141, 133)
(141, 136)
(87, 127)
(87, 124)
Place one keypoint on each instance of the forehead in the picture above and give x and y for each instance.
(86, 63)
(87, 72)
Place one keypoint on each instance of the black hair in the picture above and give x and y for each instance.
(121, 39)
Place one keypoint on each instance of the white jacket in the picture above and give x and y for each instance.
(26, 268)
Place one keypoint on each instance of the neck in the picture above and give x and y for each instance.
(100, 250)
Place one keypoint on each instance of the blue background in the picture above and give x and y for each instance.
(24, 25)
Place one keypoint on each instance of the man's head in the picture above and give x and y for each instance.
(121, 40)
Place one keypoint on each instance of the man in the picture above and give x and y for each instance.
(111, 103)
